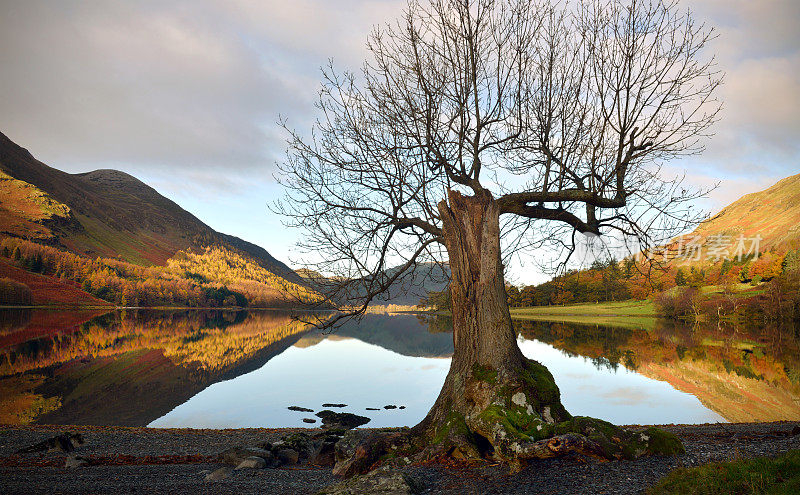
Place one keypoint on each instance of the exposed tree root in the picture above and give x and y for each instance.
(509, 419)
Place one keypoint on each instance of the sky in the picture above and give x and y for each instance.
(187, 95)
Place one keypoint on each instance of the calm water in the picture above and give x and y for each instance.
(211, 369)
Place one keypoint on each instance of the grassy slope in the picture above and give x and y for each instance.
(773, 213)
(627, 314)
(105, 213)
(49, 291)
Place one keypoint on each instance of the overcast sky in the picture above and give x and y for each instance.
(185, 95)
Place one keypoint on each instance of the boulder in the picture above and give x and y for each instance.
(252, 462)
(219, 474)
(358, 451)
(301, 442)
(287, 456)
(234, 456)
(309, 420)
(74, 461)
(324, 455)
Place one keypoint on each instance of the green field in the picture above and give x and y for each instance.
(628, 314)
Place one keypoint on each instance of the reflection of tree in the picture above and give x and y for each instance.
(12, 319)
(743, 373)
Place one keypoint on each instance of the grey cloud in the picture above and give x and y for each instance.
(141, 85)
(198, 85)
(758, 47)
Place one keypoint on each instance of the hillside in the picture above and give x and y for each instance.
(773, 213)
(719, 252)
(407, 290)
(105, 213)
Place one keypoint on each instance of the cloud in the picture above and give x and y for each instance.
(758, 47)
(184, 85)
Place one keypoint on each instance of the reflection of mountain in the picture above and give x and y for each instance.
(403, 334)
(742, 375)
(131, 368)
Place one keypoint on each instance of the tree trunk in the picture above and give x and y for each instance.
(495, 402)
(492, 393)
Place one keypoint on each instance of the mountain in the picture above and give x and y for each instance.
(105, 213)
(773, 213)
(411, 287)
(768, 220)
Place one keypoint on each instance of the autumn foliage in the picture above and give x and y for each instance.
(213, 278)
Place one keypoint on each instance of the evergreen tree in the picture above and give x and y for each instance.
(680, 278)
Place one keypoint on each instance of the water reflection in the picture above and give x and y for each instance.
(229, 369)
(743, 374)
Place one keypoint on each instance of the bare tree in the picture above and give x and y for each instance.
(481, 124)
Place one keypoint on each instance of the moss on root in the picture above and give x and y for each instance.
(507, 415)
(538, 381)
(484, 373)
(454, 425)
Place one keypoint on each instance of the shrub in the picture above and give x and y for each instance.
(13, 293)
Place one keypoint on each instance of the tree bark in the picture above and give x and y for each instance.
(492, 393)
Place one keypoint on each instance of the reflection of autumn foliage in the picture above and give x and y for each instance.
(19, 404)
(207, 340)
(744, 374)
(217, 277)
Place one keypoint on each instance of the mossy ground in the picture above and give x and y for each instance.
(780, 475)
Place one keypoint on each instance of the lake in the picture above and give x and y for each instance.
(228, 369)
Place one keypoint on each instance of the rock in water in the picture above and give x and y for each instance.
(333, 404)
(383, 481)
(252, 462)
(390, 406)
(309, 420)
(300, 409)
(344, 421)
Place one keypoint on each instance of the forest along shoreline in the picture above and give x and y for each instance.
(185, 460)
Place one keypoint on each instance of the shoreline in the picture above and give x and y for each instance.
(174, 461)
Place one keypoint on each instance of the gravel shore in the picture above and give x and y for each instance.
(174, 461)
